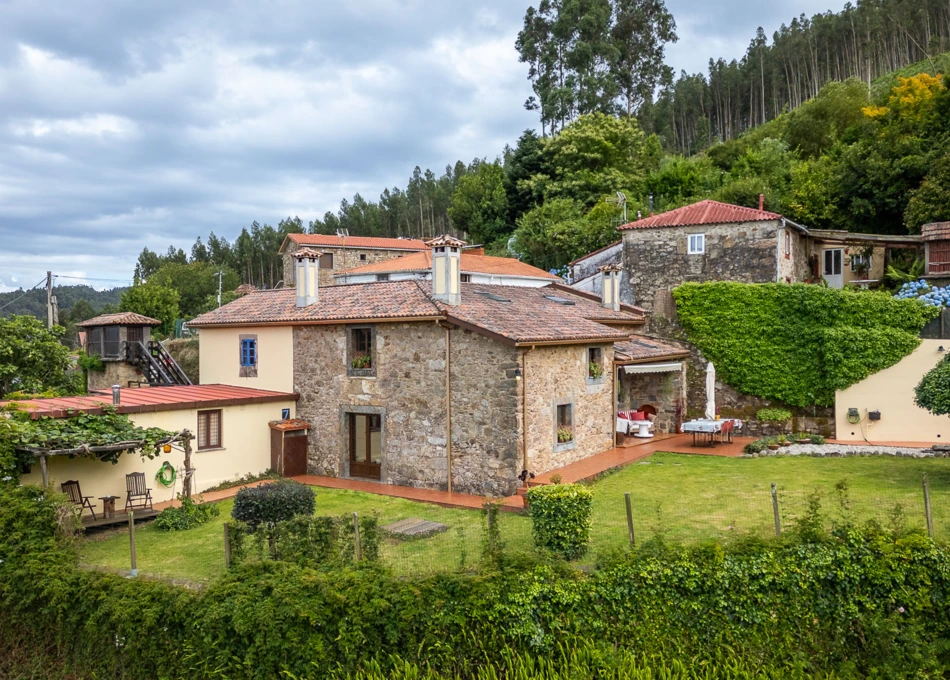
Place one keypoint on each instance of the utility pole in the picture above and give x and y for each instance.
(52, 314)
(220, 274)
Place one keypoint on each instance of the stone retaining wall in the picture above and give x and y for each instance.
(843, 450)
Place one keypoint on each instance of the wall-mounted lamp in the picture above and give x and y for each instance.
(167, 448)
(517, 374)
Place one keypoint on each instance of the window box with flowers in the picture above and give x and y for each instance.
(361, 352)
(595, 365)
(564, 425)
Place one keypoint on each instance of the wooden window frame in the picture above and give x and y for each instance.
(938, 257)
(111, 349)
(206, 446)
(249, 370)
(326, 261)
(94, 341)
(352, 351)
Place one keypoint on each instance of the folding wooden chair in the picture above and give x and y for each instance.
(71, 489)
(136, 492)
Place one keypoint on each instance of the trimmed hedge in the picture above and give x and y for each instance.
(561, 518)
(797, 343)
(856, 603)
(272, 503)
(307, 541)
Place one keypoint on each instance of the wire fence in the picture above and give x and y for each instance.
(418, 538)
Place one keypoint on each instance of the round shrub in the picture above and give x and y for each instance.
(272, 503)
(561, 518)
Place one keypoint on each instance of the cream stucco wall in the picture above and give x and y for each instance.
(219, 357)
(244, 434)
(891, 392)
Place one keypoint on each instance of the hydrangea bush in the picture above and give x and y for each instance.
(932, 296)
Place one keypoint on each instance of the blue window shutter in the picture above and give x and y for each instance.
(248, 352)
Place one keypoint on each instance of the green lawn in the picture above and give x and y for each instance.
(685, 498)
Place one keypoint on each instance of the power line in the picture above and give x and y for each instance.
(90, 278)
(24, 294)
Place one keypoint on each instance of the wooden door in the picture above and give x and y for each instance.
(295, 453)
(365, 445)
(276, 450)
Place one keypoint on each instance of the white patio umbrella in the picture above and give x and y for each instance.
(710, 391)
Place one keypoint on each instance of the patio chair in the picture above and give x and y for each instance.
(137, 495)
(71, 489)
(725, 434)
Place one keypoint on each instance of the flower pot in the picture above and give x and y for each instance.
(803, 441)
(521, 492)
(774, 447)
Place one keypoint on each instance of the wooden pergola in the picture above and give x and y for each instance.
(182, 438)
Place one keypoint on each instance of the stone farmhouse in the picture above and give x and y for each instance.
(713, 241)
(344, 252)
(476, 267)
(438, 383)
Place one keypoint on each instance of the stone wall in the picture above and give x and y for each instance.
(665, 391)
(794, 265)
(556, 375)
(408, 392)
(343, 258)
(115, 373)
(656, 260)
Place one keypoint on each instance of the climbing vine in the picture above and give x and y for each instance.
(19, 433)
(797, 343)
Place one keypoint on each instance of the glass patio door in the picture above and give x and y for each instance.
(831, 270)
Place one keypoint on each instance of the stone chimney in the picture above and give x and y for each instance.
(308, 264)
(761, 201)
(611, 295)
(446, 269)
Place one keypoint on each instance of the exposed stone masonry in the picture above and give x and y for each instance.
(343, 258)
(664, 391)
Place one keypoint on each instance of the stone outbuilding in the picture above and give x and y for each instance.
(339, 253)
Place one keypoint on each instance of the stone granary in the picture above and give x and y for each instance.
(433, 383)
(339, 253)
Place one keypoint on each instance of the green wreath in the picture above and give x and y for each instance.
(166, 474)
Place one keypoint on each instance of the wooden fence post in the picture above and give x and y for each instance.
(135, 571)
(356, 536)
(227, 546)
(630, 534)
(930, 519)
(778, 521)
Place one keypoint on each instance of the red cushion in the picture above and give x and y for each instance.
(638, 415)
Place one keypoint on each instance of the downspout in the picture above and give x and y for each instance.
(524, 407)
(448, 408)
(778, 251)
(616, 395)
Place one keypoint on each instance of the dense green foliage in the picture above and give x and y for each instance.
(856, 603)
(933, 391)
(773, 415)
(76, 303)
(32, 358)
(561, 518)
(797, 343)
(307, 541)
(480, 203)
(272, 503)
(152, 300)
(190, 513)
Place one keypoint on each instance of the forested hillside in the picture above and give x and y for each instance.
(817, 119)
(33, 302)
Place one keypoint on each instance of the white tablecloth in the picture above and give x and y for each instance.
(704, 425)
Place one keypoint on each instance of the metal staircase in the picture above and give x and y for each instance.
(156, 364)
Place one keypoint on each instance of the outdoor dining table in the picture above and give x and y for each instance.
(706, 428)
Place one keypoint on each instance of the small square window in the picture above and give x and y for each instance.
(860, 263)
(382, 277)
(466, 278)
(326, 261)
(209, 430)
(362, 257)
(697, 244)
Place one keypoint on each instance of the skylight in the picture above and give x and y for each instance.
(560, 300)
(492, 296)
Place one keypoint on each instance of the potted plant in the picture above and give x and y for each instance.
(802, 438)
(362, 361)
(595, 370)
(564, 435)
(524, 478)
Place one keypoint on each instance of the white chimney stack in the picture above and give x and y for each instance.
(611, 294)
(308, 265)
(447, 269)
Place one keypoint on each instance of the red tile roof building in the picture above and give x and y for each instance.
(704, 212)
(119, 319)
(471, 262)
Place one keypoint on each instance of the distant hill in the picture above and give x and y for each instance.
(34, 302)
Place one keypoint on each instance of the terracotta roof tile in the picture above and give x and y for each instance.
(332, 241)
(639, 349)
(472, 263)
(147, 399)
(935, 231)
(523, 315)
(384, 300)
(704, 212)
(120, 319)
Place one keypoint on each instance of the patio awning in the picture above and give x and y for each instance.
(667, 367)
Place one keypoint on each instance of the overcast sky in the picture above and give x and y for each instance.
(130, 124)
